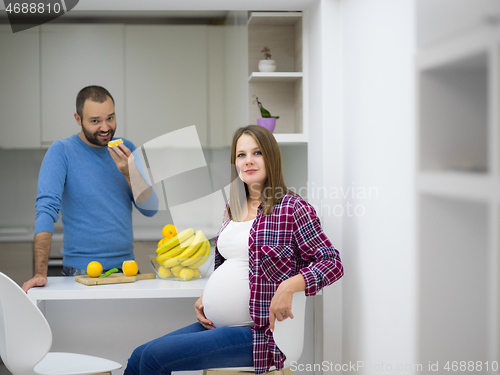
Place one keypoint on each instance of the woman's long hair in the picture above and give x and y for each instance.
(274, 187)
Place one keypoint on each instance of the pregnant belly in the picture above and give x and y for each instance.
(226, 296)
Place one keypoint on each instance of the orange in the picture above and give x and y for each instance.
(130, 268)
(169, 231)
(94, 269)
(162, 241)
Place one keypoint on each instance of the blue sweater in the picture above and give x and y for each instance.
(95, 201)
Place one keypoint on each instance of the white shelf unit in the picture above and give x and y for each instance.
(281, 92)
(458, 196)
(275, 77)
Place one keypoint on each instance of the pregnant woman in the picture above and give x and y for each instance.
(270, 246)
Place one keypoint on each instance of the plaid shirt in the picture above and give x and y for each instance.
(288, 241)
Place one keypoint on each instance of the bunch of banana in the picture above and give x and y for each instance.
(183, 254)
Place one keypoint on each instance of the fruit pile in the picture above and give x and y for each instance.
(129, 268)
(182, 254)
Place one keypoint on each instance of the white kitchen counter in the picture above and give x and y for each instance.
(66, 288)
(110, 321)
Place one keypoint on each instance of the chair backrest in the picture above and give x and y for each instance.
(25, 335)
(289, 333)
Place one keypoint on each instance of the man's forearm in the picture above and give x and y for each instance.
(41, 251)
(140, 188)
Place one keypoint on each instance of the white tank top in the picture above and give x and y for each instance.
(226, 298)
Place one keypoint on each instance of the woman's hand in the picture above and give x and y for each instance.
(281, 304)
(281, 307)
(200, 315)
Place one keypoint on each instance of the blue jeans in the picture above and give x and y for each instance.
(193, 348)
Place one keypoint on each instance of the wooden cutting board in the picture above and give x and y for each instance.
(114, 278)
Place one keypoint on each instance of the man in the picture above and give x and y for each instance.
(91, 185)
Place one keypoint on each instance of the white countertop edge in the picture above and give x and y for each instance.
(66, 288)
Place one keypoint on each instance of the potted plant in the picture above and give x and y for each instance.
(267, 121)
(267, 65)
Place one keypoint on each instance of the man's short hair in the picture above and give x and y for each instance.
(97, 94)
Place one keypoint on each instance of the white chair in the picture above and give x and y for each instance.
(288, 336)
(26, 338)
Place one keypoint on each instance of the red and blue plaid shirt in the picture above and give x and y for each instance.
(282, 244)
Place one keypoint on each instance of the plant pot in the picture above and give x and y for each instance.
(267, 65)
(267, 122)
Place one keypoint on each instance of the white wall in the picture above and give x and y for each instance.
(325, 157)
(379, 294)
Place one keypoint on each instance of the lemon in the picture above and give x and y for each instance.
(164, 272)
(186, 274)
(196, 273)
(176, 270)
(169, 231)
(130, 268)
(116, 142)
(94, 269)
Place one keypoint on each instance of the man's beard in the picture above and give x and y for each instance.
(94, 139)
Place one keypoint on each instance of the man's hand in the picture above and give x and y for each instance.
(200, 315)
(125, 161)
(120, 154)
(35, 281)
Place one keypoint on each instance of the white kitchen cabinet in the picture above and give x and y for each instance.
(74, 56)
(227, 85)
(281, 92)
(20, 83)
(166, 82)
(458, 175)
